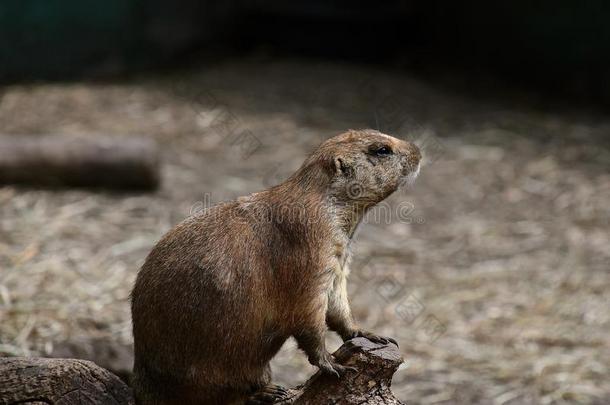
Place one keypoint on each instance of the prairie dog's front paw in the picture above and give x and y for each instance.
(373, 337)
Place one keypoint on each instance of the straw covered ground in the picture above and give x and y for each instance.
(492, 272)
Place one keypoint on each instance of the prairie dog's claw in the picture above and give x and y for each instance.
(374, 337)
(267, 395)
(331, 367)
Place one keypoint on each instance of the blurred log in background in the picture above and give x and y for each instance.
(121, 163)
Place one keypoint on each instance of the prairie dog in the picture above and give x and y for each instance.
(222, 291)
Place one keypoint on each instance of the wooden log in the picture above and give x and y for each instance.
(67, 381)
(107, 353)
(59, 381)
(126, 163)
(376, 364)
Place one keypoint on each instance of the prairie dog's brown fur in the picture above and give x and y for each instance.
(222, 291)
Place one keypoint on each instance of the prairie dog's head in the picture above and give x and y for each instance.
(366, 166)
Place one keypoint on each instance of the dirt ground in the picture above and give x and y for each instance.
(492, 272)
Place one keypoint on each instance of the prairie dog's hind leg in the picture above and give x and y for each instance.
(264, 392)
(268, 394)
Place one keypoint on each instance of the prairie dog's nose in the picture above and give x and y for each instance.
(411, 153)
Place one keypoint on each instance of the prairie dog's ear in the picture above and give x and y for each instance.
(342, 167)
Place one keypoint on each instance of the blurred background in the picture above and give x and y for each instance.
(492, 271)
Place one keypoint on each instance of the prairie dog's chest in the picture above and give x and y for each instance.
(340, 257)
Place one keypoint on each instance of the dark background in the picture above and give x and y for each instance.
(556, 47)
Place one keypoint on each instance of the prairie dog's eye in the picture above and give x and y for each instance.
(381, 150)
